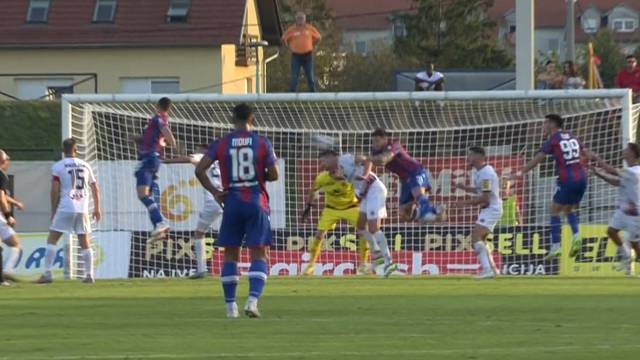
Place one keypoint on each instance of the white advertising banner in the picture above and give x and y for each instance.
(181, 197)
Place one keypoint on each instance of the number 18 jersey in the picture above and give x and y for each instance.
(244, 158)
(74, 176)
(566, 150)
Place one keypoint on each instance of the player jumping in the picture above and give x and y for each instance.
(414, 180)
(486, 186)
(340, 204)
(247, 162)
(71, 180)
(627, 215)
(567, 152)
(211, 211)
(7, 221)
(155, 134)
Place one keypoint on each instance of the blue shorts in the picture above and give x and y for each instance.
(147, 170)
(570, 193)
(417, 180)
(246, 222)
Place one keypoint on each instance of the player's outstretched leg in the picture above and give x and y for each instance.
(229, 278)
(13, 255)
(2, 282)
(314, 252)
(257, 278)
(49, 257)
(624, 250)
(87, 257)
(381, 241)
(201, 256)
(576, 243)
(364, 267)
(556, 236)
(146, 187)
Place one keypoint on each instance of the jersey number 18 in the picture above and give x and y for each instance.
(242, 168)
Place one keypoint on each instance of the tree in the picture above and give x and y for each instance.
(452, 33)
(610, 54)
(327, 58)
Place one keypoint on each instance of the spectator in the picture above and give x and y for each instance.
(549, 78)
(300, 39)
(629, 77)
(429, 80)
(570, 77)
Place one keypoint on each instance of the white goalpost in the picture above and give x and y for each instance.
(436, 128)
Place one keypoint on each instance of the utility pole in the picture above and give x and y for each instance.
(571, 30)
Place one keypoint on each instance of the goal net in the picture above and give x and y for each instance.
(435, 128)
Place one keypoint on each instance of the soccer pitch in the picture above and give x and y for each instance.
(350, 318)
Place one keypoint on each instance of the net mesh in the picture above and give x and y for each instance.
(436, 132)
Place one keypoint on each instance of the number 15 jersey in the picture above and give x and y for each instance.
(75, 176)
(566, 150)
(244, 158)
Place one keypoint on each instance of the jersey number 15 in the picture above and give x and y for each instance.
(77, 178)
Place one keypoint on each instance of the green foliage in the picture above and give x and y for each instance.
(610, 53)
(30, 130)
(452, 34)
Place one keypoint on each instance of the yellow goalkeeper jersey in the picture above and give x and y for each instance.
(338, 194)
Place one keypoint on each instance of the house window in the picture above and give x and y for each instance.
(590, 25)
(38, 11)
(399, 29)
(361, 47)
(105, 11)
(149, 85)
(512, 29)
(624, 25)
(42, 89)
(178, 11)
(553, 45)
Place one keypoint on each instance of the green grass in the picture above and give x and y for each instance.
(356, 318)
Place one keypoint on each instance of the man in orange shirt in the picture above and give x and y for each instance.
(301, 38)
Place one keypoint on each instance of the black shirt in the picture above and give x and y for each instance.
(4, 182)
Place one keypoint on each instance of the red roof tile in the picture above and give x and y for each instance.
(137, 23)
(366, 14)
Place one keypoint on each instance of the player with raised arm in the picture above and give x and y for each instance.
(486, 186)
(569, 156)
(372, 194)
(154, 136)
(247, 162)
(211, 210)
(7, 221)
(340, 204)
(414, 180)
(627, 215)
(72, 179)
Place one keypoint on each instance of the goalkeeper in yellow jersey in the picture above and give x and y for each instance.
(340, 204)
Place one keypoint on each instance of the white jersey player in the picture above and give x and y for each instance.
(627, 214)
(372, 194)
(7, 235)
(486, 187)
(210, 213)
(71, 184)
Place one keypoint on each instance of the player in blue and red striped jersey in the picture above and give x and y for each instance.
(155, 135)
(414, 180)
(569, 155)
(247, 162)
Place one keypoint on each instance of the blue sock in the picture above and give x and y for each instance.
(257, 278)
(556, 229)
(425, 205)
(154, 210)
(155, 191)
(229, 278)
(572, 219)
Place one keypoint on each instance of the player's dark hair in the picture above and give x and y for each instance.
(635, 148)
(328, 152)
(556, 119)
(164, 103)
(478, 150)
(242, 113)
(380, 132)
(630, 56)
(68, 145)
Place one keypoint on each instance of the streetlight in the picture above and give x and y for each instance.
(257, 45)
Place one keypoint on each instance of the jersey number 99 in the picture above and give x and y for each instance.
(242, 168)
(570, 149)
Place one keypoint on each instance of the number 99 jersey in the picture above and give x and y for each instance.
(74, 176)
(571, 170)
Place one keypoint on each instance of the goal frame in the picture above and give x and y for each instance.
(68, 100)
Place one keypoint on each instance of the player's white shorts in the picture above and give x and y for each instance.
(68, 222)
(627, 223)
(374, 204)
(489, 218)
(208, 215)
(6, 231)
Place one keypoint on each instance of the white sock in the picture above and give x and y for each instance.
(626, 248)
(12, 259)
(483, 255)
(50, 256)
(252, 300)
(381, 240)
(87, 256)
(370, 240)
(198, 244)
